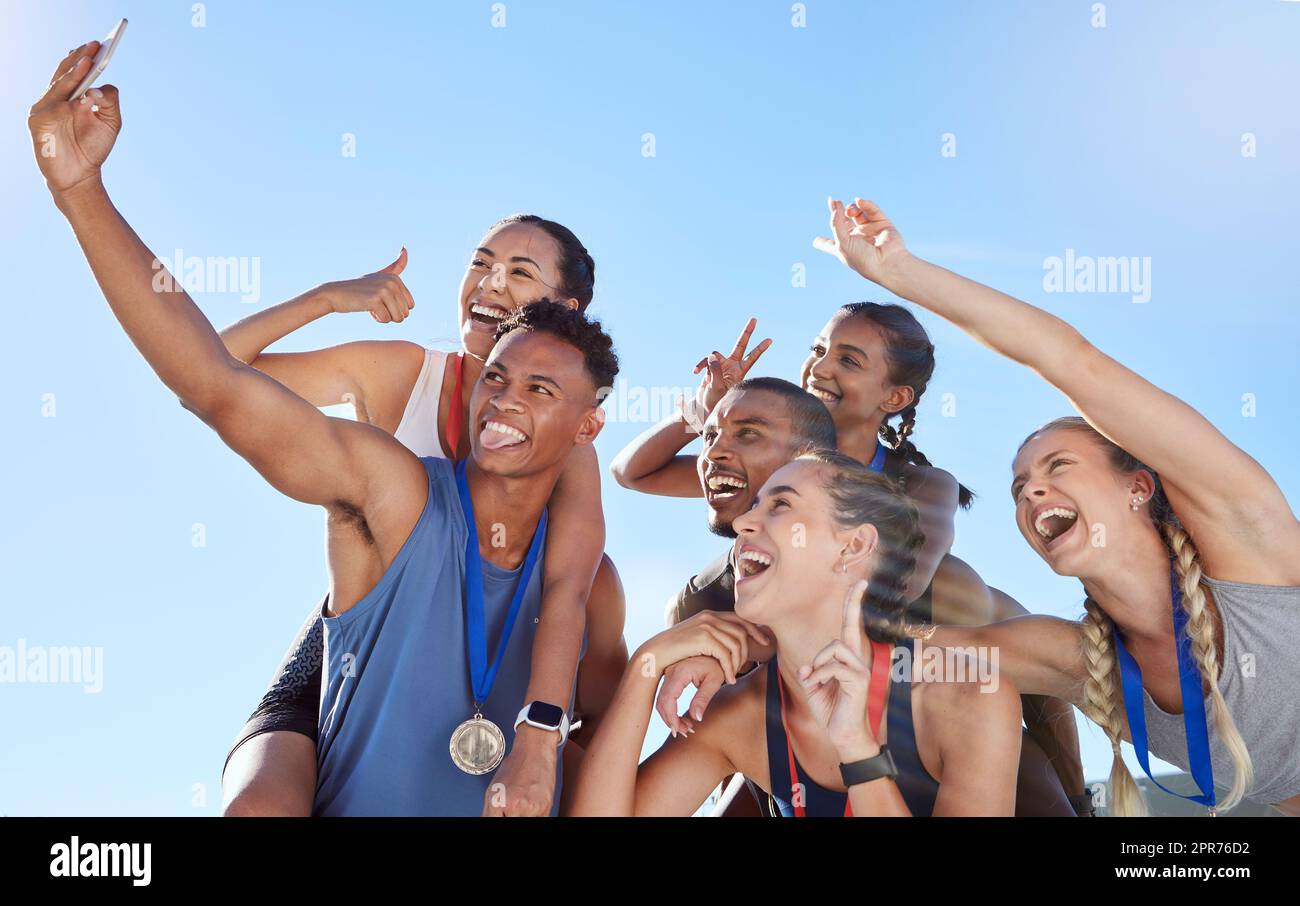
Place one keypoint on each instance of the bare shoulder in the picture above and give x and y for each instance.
(930, 483)
(963, 698)
(736, 722)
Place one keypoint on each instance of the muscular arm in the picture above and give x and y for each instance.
(1041, 655)
(1230, 503)
(1050, 721)
(300, 451)
(651, 464)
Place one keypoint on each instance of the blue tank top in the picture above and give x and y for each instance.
(919, 789)
(396, 674)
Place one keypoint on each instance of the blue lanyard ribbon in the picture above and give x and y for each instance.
(878, 461)
(1189, 676)
(483, 675)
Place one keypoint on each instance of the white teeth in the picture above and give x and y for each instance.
(497, 313)
(756, 556)
(718, 482)
(824, 395)
(506, 429)
(1061, 511)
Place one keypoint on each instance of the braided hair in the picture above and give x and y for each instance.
(861, 496)
(911, 364)
(1103, 691)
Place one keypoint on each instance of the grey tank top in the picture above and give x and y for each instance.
(1260, 681)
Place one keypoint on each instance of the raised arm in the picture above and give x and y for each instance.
(1232, 505)
(651, 464)
(374, 375)
(299, 450)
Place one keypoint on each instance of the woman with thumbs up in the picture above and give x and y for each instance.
(420, 396)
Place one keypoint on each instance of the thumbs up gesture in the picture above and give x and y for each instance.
(381, 293)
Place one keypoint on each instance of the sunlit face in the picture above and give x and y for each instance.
(1071, 505)
(747, 437)
(532, 403)
(848, 369)
(513, 265)
(787, 546)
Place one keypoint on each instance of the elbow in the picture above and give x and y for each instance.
(618, 470)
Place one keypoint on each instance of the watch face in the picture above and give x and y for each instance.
(547, 715)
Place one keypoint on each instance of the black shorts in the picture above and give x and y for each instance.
(292, 702)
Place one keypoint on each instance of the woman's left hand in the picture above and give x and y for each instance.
(837, 684)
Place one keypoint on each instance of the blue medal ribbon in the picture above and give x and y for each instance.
(482, 673)
(1194, 722)
(877, 463)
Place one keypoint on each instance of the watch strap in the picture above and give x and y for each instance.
(869, 769)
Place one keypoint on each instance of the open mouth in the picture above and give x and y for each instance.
(824, 395)
(487, 315)
(751, 562)
(498, 436)
(1054, 523)
(720, 487)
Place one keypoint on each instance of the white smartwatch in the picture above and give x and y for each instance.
(693, 415)
(545, 717)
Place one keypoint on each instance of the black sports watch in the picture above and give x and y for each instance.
(869, 769)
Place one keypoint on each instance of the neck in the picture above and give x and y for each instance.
(506, 510)
(801, 639)
(859, 441)
(1134, 590)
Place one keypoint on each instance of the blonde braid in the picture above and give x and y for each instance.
(1103, 697)
(1200, 630)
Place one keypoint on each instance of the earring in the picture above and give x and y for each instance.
(1136, 504)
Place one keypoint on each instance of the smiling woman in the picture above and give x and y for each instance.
(1144, 501)
(422, 397)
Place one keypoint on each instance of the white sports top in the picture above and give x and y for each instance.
(418, 429)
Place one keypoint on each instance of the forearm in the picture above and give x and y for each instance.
(557, 645)
(607, 783)
(1050, 722)
(652, 452)
(1013, 328)
(879, 798)
(247, 338)
(161, 320)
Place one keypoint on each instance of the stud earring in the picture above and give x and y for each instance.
(1136, 504)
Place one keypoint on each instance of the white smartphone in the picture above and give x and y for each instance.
(100, 63)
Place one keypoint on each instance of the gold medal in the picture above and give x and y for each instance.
(478, 745)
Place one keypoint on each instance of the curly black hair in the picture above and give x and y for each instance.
(575, 328)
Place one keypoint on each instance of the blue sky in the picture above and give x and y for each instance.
(1123, 140)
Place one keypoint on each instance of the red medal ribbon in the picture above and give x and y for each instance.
(877, 691)
(456, 414)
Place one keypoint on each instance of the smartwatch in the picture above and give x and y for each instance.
(693, 415)
(544, 716)
(869, 769)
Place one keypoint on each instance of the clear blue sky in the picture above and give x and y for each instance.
(1124, 140)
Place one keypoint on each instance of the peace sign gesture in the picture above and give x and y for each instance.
(838, 683)
(721, 374)
(864, 238)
